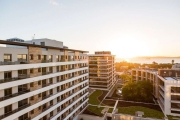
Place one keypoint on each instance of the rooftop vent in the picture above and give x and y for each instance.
(15, 40)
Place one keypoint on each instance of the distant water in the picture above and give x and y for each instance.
(149, 60)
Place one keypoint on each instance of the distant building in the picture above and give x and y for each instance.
(102, 73)
(176, 66)
(166, 87)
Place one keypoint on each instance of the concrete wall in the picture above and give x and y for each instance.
(13, 51)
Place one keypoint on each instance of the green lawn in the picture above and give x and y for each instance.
(147, 112)
(93, 98)
(110, 110)
(171, 117)
(96, 110)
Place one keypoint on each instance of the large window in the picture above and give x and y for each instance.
(23, 71)
(50, 57)
(7, 57)
(23, 117)
(7, 91)
(7, 74)
(22, 102)
(8, 109)
(22, 57)
(22, 87)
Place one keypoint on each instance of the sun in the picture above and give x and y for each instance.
(129, 47)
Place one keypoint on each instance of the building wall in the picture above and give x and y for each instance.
(73, 90)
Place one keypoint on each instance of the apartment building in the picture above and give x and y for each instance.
(101, 70)
(166, 87)
(41, 79)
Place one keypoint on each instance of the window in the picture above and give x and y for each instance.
(58, 89)
(51, 102)
(7, 57)
(7, 74)
(39, 57)
(31, 57)
(22, 102)
(57, 68)
(39, 95)
(32, 98)
(50, 81)
(39, 107)
(32, 84)
(50, 57)
(31, 70)
(7, 91)
(51, 91)
(39, 69)
(22, 57)
(51, 69)
(32, 111)
(22, 87)
(23, 117)
(8, 109)
(58, 109)
(57, 58)
(58, 99)
(57, 78)
(43, 43)
(23, 71)
(51, 114)
(39, 82)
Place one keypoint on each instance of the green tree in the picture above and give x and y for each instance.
(125, 78)
(138, 91)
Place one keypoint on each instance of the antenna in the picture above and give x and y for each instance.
(33, 37)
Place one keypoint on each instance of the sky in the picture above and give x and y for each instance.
(127, 28)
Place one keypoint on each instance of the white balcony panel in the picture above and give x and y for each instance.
(54, 118)
(37, 65)
(60, 103)
(33, 79)
(74, 110)
(29, 94)
(17, 114)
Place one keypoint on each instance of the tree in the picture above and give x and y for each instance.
(125, 78)
(138, 91)
(172, 62)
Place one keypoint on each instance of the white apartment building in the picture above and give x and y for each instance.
(42, 80)
(102, 73)
(166, 87)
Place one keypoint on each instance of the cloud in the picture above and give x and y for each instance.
(53, 2)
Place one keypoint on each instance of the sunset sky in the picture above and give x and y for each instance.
(128, 28)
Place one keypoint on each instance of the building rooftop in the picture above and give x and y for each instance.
(7, 42)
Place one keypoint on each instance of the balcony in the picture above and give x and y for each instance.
(46, 96)
(46, 61)
(14, 111)
(14, 95)
(19, 61)
(44, 85)
(20, 76)
(46, 73)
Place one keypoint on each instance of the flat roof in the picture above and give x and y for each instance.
(169, 78)
(34, 45)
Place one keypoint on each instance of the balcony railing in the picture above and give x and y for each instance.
(14, 111)
(20, 76)
(46, 61)
(20, 61)
(44, 97)
(46, 73)
(44, 85)
(14, 95)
